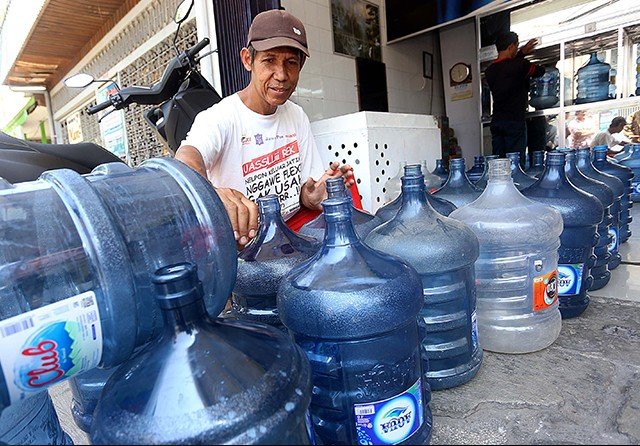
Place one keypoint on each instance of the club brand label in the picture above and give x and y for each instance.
(390, 421)
(545, 290)
(570, 278)
(615, 243)
(49, 344)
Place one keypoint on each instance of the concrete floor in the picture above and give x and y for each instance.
(583, 389)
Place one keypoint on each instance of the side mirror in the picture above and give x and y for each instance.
(79, 80)
(183, 10)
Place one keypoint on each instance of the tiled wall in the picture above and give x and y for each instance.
(327, 85)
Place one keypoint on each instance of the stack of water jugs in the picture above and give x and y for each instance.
(337, 339)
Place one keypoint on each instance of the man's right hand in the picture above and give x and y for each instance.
(243, 214)
(529, 46)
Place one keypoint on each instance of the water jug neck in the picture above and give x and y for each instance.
(414, 196)
(538, 158)
(600, 153)
(593, 59)
(412, 170)
(478, 161)
(335, 187)
(636, 148)
(570, 168)
(439, 164)
(271, 221)
(554, 167)
(514, 157)
(339, 226)
(180, 297)
(499, 170)
(457, 174)
(584, 159)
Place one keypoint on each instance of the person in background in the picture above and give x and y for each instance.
(582, 129)
(611, 136)
(508, 78)
(256, 142)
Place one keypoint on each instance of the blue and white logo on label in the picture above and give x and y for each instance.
(636, 187)
(569, 279)
(613, 246)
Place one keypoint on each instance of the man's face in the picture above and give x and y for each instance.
(274, 75)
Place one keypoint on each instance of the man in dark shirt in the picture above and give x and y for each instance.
(508, 78)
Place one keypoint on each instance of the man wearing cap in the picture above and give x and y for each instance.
(256, 142)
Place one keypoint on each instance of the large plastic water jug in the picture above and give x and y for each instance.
(625, 153)
(520, 179)
(363, 221)
(537, 167)
(432, 182)
(477, 170)
(606, 250)
(633, 163)
(624, 174)
(354, 311)
(205, 380)
(443, 252)
(581, 214)
(481, 183)
(392, 187)
(264, 262)
(544, 91)
(80, 287)
(458, 189)
(389, 210)
(86, 389)
(593, 81)
(32, 421)
(440, 171)
(516, 273)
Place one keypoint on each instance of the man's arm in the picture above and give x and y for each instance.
(242, 212)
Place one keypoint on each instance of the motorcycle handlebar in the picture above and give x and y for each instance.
(198, 47)
(99, 107)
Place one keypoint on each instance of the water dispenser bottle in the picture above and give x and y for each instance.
(538, 164)
(88, 273)
(516, 273)
(581, 214)
(205, 380)
(354, 311)
(440, 171)
(625, 153)
(443, 252)
(392, 187)
(86, 389)
(477, 170)
(458, 189)
(520, 179)
(544, 91)
(482, 181)
(264, 262)
(432, 182)
(593, 81)
(633, 163)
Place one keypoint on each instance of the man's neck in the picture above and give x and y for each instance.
(255, 103)
(506, 54)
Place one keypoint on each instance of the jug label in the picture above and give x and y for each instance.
(615, 243)
(545, 290)
(390, 421)
(49, 344)
(636, 187)
(569, 278)
(474, 332)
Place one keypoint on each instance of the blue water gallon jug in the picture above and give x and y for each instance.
(581, 214)
(264, 262)
(520, 179)
(593, 81)
(477, 170)
(392, 187)
(625, 153)
(389, 210)
(458, 189)
(481, 183)
(83, 283)
(606, 251)
(633, 163)
(443, 252)
(363, 221)
(354, 311)
(205, 380)
(624, 174)
(440, 171)
(86, 389)
(544, 91)
(32, 421)
(537, 167)
(516, 272)
(432, 182)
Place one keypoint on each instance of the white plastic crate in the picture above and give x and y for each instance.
(374, 143)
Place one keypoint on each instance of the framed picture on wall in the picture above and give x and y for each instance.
(427, 65)
(356, 29)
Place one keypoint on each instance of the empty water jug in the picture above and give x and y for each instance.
(544, 91)
(89, 273)
(32, 421)
(593, 81)
(516, 273)
(264, 262)
(85, 393)
(443, 252)
(363, 221)
(520, 179)
(477, 170)
(392, 187)
(625, 153)
(624, 174)
(432, 182)
(482, 181)
(606, 250)
(354, 311)
(205, 380)
(538, 164)
(458, 189)
(440, 171)
(581, 214)
(633, 163)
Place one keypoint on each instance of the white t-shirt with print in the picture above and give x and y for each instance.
(257, 154)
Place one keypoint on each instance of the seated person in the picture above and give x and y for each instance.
(611, 137)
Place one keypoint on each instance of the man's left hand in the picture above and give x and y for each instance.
(314, 192)
(529, 46)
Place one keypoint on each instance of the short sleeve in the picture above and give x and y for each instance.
(208, 134)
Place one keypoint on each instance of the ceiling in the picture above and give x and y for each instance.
(62, 34)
